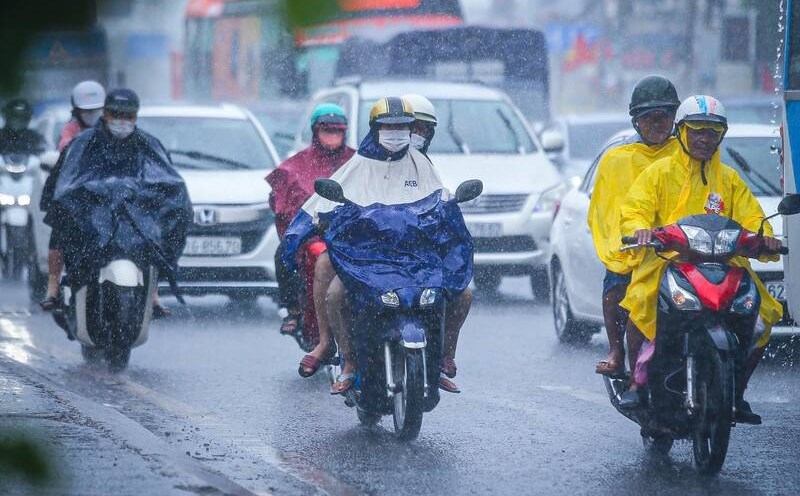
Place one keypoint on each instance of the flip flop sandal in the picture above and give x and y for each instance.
(346, 381)
(448, 367)
(308, 362)
(447, 385)
(50, 303)
(607, 367)
(161, 312)
(290, 325)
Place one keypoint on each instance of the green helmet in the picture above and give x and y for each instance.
(328, 113)
(653, 92)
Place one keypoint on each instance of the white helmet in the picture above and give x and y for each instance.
(88, 95)
(701, 108)
(423, 108)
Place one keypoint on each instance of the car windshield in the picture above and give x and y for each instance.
(210, 143)
(757, 162)
(586, 138)
(473, 126)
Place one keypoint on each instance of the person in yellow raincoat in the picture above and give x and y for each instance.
(652, 108)
(692, 181)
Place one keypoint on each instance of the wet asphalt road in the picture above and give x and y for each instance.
(219, 385)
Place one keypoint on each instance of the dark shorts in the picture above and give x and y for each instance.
(613, 279)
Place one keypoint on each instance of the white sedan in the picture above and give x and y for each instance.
(576, 273)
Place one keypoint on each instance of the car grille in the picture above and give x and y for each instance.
(504, 244)
(494, 204)
(251, 232)
(203, 274)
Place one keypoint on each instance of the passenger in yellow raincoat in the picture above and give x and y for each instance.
(652, 109)
(691, 181)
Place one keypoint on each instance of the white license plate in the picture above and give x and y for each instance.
(485, 229)
(212, 245)
(777, 290)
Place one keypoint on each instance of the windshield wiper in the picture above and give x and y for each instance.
(745, 166)
(510, 128)
(213, 158)
(453, 133)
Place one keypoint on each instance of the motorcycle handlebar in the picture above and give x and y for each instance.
(629, 240)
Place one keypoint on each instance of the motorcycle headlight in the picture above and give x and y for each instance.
(7, 199)
(699, 239)
(549, 198)
(725, 241)
(682, 299)
(390, 299)
(428, 297)
(23, 200)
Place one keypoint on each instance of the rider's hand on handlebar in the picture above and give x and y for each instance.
(644, 236)
(772, 244)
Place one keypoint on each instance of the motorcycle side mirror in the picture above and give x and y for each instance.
(330, 190)
(790, 205)
(468, 190)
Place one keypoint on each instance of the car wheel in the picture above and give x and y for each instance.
(568, 329)
(540, 285)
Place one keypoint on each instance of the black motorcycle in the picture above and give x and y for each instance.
(707, 311)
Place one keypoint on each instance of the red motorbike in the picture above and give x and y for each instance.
(707, 311)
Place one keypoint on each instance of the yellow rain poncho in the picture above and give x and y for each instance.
(669, 190)
(618, 169)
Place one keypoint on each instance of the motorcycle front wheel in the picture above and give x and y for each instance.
(409, 375)
(712, 426)
(125, 324)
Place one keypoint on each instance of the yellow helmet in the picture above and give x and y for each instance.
(391, 110)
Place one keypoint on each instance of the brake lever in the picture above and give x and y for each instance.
(653, 244)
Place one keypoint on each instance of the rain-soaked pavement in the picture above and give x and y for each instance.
(212, 404)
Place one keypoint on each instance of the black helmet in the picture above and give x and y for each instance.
(122, 100)
(19, 108)
(653, 92)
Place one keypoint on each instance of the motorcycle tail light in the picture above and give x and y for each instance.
(699, 239)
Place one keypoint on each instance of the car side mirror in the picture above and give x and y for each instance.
(552, 141)
(48, 159)
(790, 205)
(330, 190)
(468, 190)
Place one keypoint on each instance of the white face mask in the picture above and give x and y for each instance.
(394, 140)
(90, 117)
(417, 141)
(120, 128)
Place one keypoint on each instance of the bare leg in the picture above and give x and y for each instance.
(615, 319)
(339, 317)
(55, 264)
(635, 340)
(455, 316)
(323, 275)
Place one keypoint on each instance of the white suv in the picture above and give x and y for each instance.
(480, 135)
(223, 154)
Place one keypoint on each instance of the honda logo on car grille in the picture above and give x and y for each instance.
(205, 216)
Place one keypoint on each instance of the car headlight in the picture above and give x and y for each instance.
(682, 299)
(725, 241)
(390, 299)
(428, 297)
(549, 198)
(23, 200)
(7, 199)
(699, 239)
